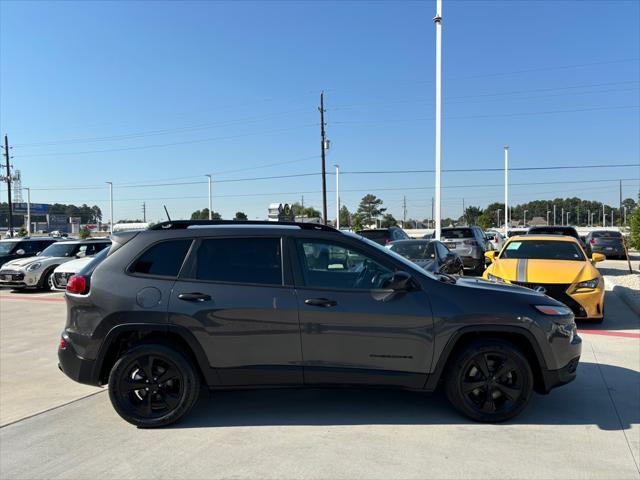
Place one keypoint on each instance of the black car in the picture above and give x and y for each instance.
(431, 255)
(263, 304)
(560, 230)
(384, 236)
(14, 248)
(607, 242)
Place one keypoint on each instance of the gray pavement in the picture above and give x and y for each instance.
(588, 429)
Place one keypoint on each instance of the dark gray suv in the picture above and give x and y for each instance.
(256, 304)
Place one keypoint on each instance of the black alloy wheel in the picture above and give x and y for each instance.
(153, 386)
(491, 381)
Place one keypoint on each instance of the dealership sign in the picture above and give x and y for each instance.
(36, 208)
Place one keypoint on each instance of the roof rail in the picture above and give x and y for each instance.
(183, 224)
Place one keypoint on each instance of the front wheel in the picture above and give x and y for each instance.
(489, 381)
(153, 385)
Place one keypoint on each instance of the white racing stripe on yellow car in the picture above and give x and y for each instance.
(521, 270)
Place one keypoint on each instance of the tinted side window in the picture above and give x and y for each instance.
(442, 250)
(329, 265)
(31, 247)
(163, 258)
(239, 260)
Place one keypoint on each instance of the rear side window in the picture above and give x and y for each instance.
(163, 258)
(239, 260)
(457, 233)
(378, 236)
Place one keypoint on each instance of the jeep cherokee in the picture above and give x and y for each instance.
(257, 304)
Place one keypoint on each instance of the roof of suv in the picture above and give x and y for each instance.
(87, 240)
(27, 239)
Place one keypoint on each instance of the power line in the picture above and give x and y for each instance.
(464, 170)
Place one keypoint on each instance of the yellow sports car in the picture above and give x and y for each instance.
(556, 265)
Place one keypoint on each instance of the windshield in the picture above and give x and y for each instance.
(414, 250)
(570, 232)
(606, 235)
(6, 247)
(388, 251)
(60, 250)
(543, 250)
(457, 233)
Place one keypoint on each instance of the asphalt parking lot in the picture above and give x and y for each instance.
(51, 427)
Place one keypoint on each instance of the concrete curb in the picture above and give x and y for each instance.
(627, 297)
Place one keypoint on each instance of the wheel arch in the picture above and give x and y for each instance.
(123, 337)
(520, 337)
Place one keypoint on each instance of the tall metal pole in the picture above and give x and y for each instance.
(625, 215)
(524, 221)
(499, 210)
(588, 218)
(506, 189)
(438, 134)
(548, 212)
(210, 198)
(28, 189)
(337, 196)
(323, 151)
(110, 207)
(562, 216)
(554, 213)
(604, 217)
(8, 166)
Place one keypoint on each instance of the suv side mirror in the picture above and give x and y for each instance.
(401, 281)
(20, 251)
(490, 255)
(598, 257)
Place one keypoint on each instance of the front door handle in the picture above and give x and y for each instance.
(194, 297)
(320, 302)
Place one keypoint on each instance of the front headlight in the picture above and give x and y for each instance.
(553, 310)
(589, 283)
(493, 278)
(34, 266)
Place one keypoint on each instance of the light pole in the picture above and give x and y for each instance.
(210, 198)
(612, 222)
(625, 215)
(592, 215)
(568, 213)
(110, 206)
(28, 189)
(604, 217)
(588, 218)
(337, 196)
(554, 213)
(524, 221)
(438, 134)
(506, 189)
(499, 210)
(548, 212)
(562, 216)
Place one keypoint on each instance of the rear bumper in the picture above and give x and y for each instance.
(614, 251)
(74, 366)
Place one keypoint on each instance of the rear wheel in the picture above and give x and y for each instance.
(153, 386)
(489, 381)
(46, 283)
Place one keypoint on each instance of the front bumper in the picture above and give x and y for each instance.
(19, 278)
(556, 378)
(74, 366)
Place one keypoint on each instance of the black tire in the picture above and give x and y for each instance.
(479, 390)
(45, 281)
(166, 373)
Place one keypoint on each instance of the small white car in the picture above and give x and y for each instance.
(496, 239)
(62, 273)
(37, 272)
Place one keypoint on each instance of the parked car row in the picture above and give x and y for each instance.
(32, 268)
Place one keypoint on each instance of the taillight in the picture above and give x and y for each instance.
(77, 284)
(63, 344)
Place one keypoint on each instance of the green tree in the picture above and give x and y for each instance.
(84, 233)
(22, 232)
(370, 209)
(308, 212)
(241, 217)
(634, 238)
(484, 221)
(345, 216)
(471, 215)
(388, 221)
(204, 215)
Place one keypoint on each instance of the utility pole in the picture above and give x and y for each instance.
(404, 211)
(110, 206)
(144, 212)
(554, 213)
(499, 210)
(337, 196)
(323, 148)
(568, 213)
(548, 212)
(604, 217)
(28, 189)
(7, 178)
(524, 221)
(588, 218)
(210, 197)
(562, 217)
(506, 190)
(612, 222)
(438, 134)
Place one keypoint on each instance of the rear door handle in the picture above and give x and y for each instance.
(194, 297)
(320, 302)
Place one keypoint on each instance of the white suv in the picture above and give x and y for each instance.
(37, 272)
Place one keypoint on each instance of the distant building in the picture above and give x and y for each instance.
(537, 222)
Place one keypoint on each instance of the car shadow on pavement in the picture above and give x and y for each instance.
(586, 401)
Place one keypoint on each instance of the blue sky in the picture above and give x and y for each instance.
(162, 92)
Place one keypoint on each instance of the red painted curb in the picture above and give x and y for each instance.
(609, 333)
